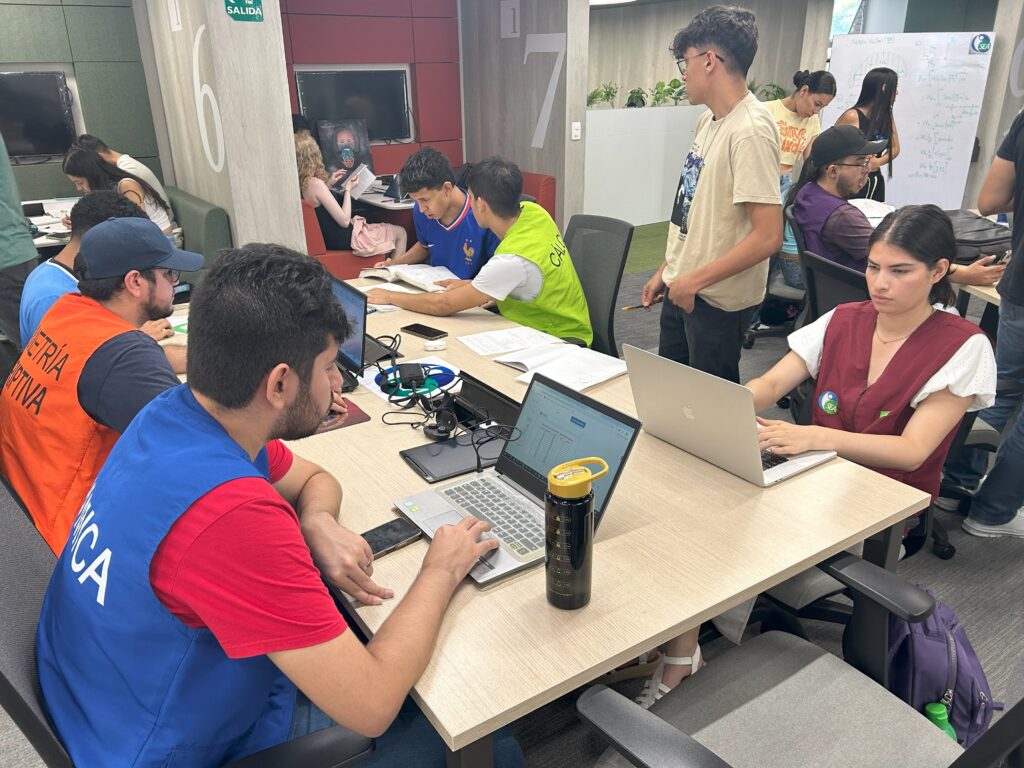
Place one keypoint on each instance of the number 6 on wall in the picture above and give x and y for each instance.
(204, 93)
(549, 42)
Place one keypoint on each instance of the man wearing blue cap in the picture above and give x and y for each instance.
(88, 369)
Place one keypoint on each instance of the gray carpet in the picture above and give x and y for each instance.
(983, 583)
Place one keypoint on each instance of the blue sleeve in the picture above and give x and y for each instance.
(420, 222)
(121, 377)
(33, 311)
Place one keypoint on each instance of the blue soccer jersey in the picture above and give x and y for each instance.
(463, 246)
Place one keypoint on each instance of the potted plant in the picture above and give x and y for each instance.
(766, 92)
(660, 94)
(678, 90)
(604, 95)
(637, 98)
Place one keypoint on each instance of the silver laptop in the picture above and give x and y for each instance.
(555, 424)
(707, 416)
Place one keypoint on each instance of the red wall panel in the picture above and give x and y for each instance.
(350, 40)
(287, 38)
(438, 102)
(352, 7)
(293, 93)
(452, 150)
(449, 8)
(436, 39)
(389, 158)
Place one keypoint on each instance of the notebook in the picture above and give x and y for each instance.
(556, 424)
(707, 416)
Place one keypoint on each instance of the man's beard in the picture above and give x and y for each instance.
(154, 311)
(301, 419)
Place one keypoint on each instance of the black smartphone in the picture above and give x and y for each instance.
(424, 331)
(1003, 257)
(391, 536)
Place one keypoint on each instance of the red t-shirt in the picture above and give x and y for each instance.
(236, 563)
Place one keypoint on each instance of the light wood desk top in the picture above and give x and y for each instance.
(681, 541)
(988, 293)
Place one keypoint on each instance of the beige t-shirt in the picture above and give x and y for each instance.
(732, 161)
(794, 131)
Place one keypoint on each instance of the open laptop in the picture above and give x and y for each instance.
(555, 424)
(707, 416)
(359, 349)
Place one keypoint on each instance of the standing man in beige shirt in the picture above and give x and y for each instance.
(726, 220)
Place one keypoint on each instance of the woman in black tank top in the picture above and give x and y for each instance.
(873, 115)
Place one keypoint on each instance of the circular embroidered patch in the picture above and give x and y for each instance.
(829, 403)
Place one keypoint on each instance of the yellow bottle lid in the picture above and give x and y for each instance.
(571, 480)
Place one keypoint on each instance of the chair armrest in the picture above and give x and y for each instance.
(641, 737)
(893, 593)
(330, 748)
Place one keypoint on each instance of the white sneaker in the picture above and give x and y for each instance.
(1014, 527)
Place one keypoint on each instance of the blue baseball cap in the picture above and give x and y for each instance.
(117, 246)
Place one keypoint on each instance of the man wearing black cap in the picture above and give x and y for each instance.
(838, 230)
(88, 369)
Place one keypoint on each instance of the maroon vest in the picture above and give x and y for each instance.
(811, 209)
(843, 400)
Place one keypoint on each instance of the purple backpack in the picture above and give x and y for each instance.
(933, 660)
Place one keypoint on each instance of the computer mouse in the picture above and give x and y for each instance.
(435, 345)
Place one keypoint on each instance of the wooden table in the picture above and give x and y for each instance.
(990, 315)
(681, 542)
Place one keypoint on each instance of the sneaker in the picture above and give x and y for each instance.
(947, 504)
(1014, 527)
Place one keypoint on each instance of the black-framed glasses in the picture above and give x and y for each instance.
(682, 61)
(173, 275)
(866, 162)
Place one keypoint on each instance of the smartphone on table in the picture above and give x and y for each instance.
(424, 331)
(392, 535)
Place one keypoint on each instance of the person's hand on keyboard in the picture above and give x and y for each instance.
(787, 439)
(455, 549)
(344, 558)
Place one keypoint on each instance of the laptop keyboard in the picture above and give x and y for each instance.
(513, 521)
(769, 459)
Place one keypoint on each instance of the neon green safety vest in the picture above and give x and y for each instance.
(560, 308)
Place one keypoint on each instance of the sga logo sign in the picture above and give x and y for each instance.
(244, 10)
(981, 43)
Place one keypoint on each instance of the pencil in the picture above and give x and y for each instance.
(634, 306)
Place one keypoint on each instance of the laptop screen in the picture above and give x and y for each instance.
(353, 302)
(558, 424)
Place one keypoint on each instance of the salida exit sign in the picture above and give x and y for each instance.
(244, 10)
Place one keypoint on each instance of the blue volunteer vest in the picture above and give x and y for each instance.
(124, 681)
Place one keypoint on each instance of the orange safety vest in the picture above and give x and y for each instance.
(50, 449)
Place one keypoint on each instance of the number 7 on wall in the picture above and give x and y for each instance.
(549, 42)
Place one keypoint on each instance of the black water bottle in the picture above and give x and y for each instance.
(569, 532)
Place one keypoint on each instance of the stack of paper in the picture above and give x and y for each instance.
(507, 340)
(575, 367)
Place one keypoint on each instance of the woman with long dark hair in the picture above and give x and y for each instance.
(89, 172)
(893, 376)
(798, 121)
(873, 115)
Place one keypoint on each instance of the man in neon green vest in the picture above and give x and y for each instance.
(530, 276)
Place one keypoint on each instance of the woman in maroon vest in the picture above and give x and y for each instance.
(893, 375)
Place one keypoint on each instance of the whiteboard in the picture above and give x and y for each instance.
(941, 86)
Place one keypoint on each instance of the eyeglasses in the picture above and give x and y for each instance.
(173, 275)
(681, 62)
(866, 162)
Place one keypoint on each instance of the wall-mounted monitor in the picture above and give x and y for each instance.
(35, 113)
(379, 96)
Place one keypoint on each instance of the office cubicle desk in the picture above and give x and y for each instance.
(681, 542)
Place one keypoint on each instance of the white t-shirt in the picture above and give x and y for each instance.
(970, 371)
(506, 275)
(134, 167)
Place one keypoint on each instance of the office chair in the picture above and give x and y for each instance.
(25, 572)
(777, 700)
(779, 290)
(829, 284)
(598, 247)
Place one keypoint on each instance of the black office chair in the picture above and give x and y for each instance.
(829, 284)
(25, 572)
(777, 700)
(598, 246)
(778, 290)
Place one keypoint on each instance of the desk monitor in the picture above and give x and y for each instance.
(353, 302)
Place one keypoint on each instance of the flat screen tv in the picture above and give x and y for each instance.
(378, 97)
(35, 113)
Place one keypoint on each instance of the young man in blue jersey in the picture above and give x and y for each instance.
(447, 233)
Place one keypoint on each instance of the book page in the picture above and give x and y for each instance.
(535, 357)
(507, 340)
(364, 180)
(422, 275)
(579, 369)
(392, 287)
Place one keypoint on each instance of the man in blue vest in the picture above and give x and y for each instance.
(188, 605)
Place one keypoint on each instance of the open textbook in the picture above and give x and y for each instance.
(575, 367)
(422, 276)
(364, 179)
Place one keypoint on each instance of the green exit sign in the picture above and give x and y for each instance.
(244, 10)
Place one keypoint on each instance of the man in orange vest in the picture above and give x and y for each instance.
(88, 369)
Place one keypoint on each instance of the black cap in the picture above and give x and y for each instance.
(841, 141)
